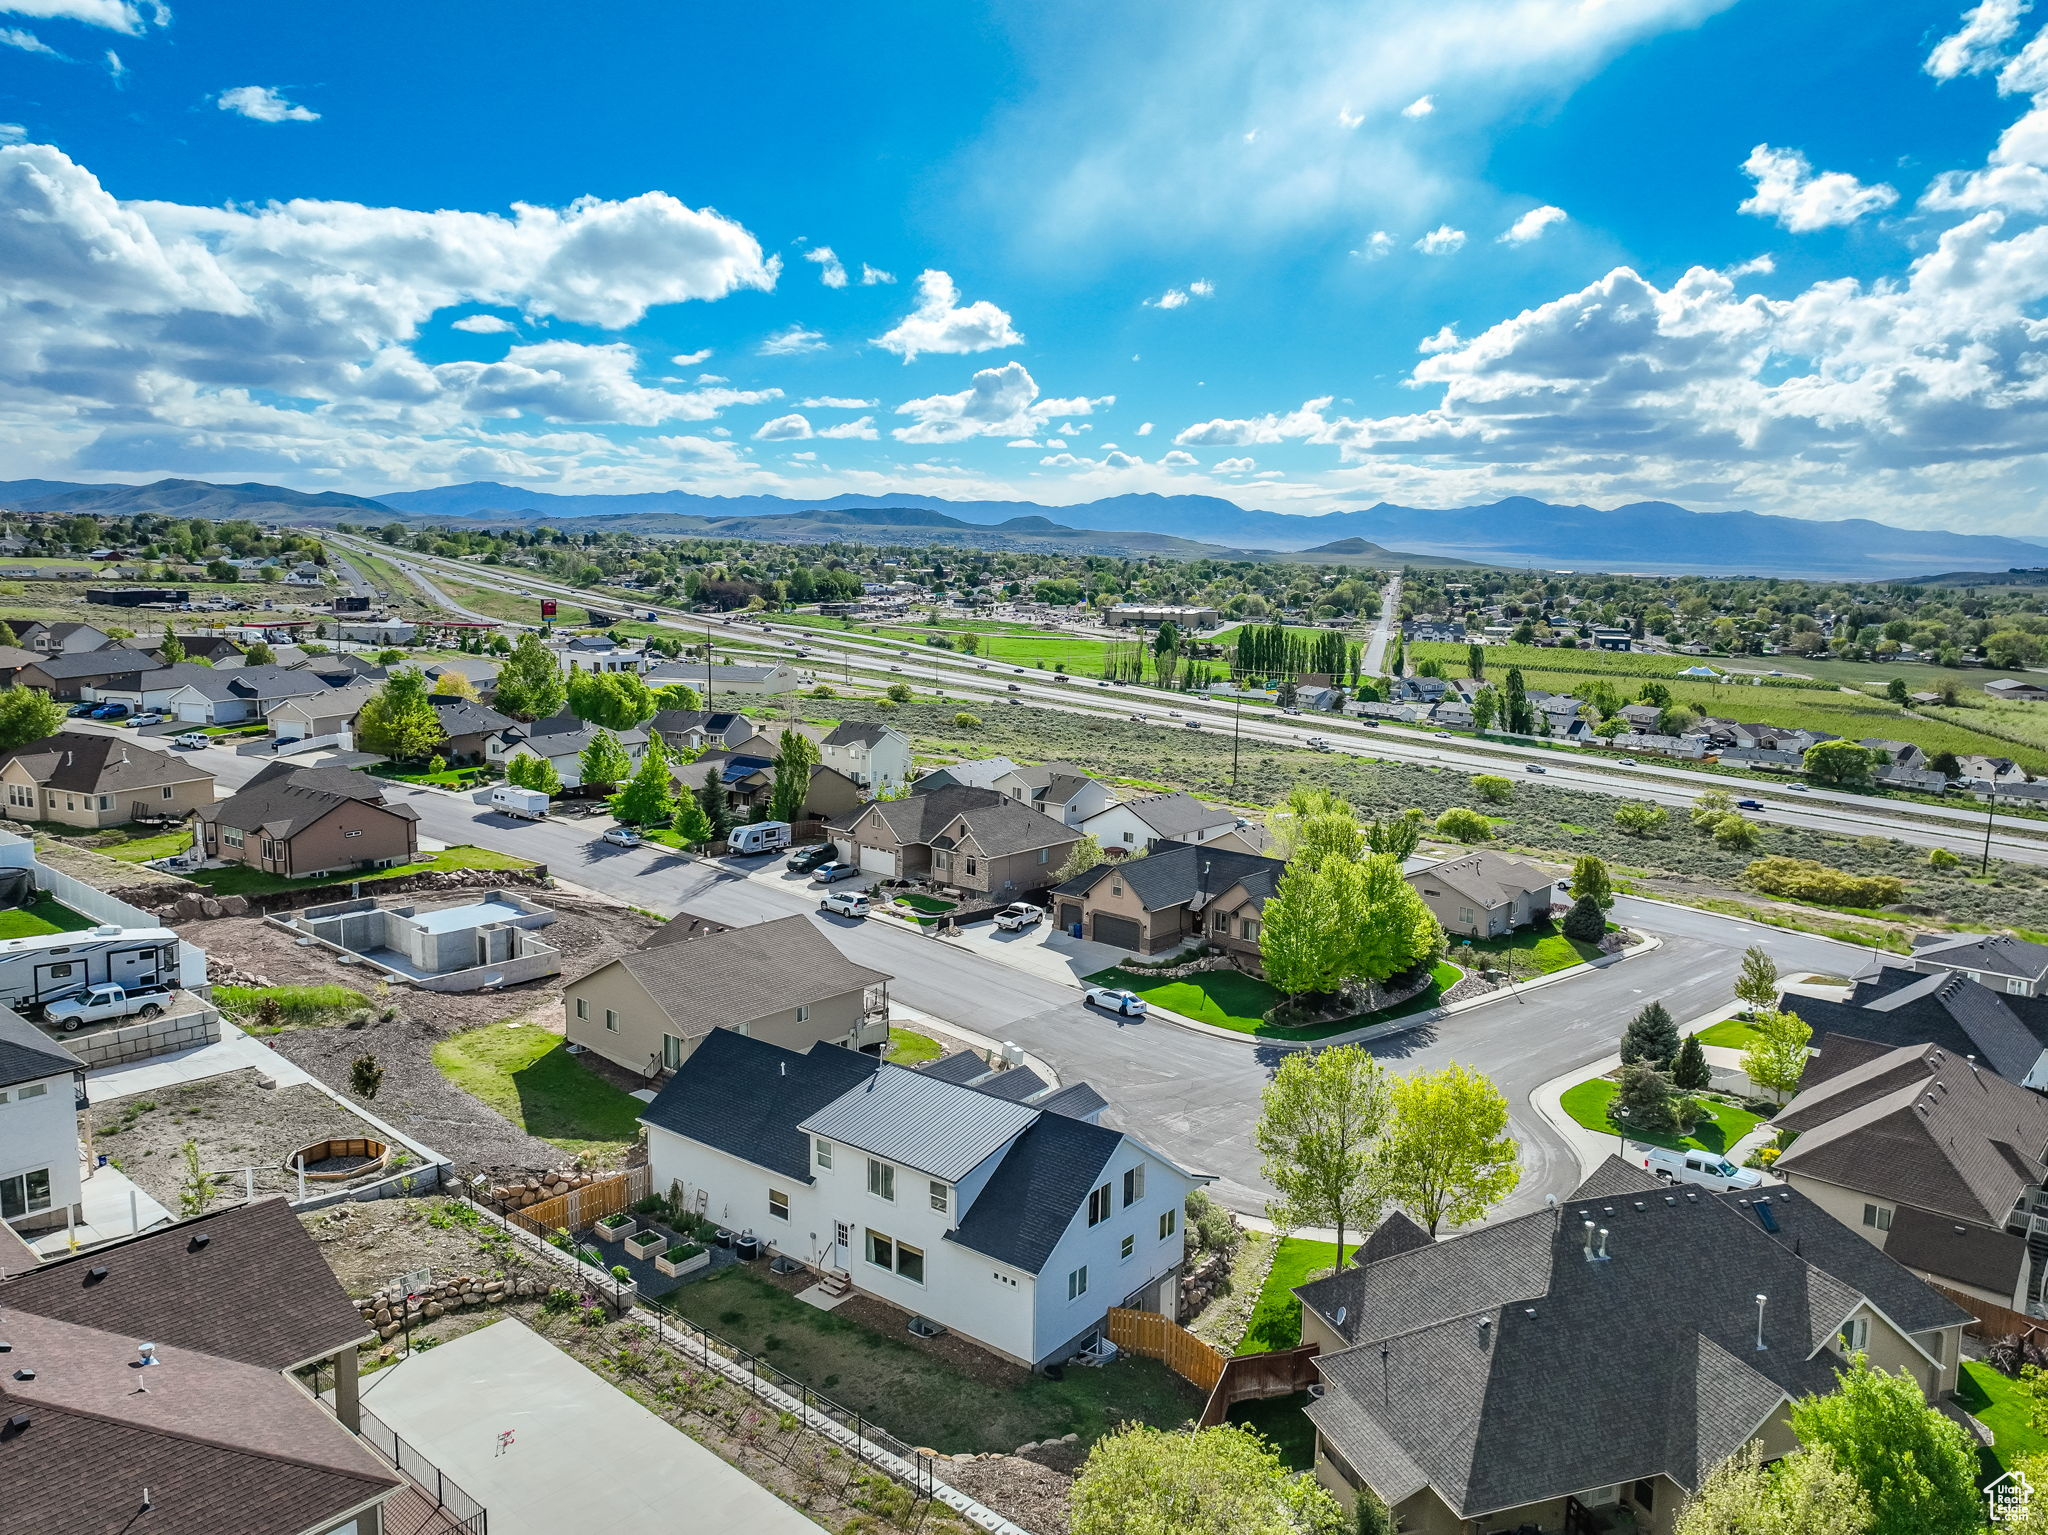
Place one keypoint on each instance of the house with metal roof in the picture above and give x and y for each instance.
(995, 1208)
(1585, 1367)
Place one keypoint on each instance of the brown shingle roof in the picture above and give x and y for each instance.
(100, 764)
(283, 799)
(1486, 877)
(743, 973)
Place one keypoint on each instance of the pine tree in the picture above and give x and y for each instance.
(1651, 1036)
(1643, 1098)
(689, 822)
(1585, 922)
(1689, 1072)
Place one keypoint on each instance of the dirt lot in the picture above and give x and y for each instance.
(235, 1123)
(369, 1245)
(415, 1096)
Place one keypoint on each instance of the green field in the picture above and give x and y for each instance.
(39, 917)
(497, 604)
(528, 1075)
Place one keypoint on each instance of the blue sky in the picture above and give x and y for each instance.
(1783, 256)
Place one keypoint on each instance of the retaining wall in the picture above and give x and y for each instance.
(139, 1041)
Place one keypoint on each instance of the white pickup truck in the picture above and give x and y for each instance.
(104, 1001)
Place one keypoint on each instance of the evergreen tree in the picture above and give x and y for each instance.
(1585, 922)
(1689, 1072)
(689, 822)
(1651, 1036)
(1644, 1101)
(1516, 717)
(1475, 661)
(711, 799)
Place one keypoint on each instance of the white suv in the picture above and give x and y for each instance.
(845, 903)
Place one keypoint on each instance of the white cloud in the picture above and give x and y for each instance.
(1755, 266)
(1788, 190)
(27, 42)
(870, 275)
(1236, 465)
(792, 340)
(1979, 43)
(1530, 226)
(783, 429)
(940, 323)
(711, 378)
(1201, 287)
(263, 104)
(1421, 106)
(483, 324)
(1145, 429)
(114, 15)
(1022, 442)
(838, 402)
(1441, 241)
(691, 359)
(573, 382)
(1442, 341)
(1346, 118)
(1055, 442)
(12, 133)
(1377, 244)
(861, 428)
(1176, 459)
(805, 457)
(115, 67)
(1000, 402)
(1172, 298)
(831, 273)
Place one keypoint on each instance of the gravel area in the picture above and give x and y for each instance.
(235, 1123)
(415, 1096)
(1032, 1488)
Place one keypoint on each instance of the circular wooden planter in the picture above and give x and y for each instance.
(358, 1155)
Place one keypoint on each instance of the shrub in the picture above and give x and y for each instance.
(1640, 818)
(1801, 879)
(1585, 922)
(1494, 789)
(1942, 858)
(1209, 1226)
(965, 721)
(1464, 825)
(1736, 834)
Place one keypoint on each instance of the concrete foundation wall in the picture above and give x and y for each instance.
(140, 1041)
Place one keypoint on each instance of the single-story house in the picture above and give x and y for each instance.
(1180, 895)
(1979, 769)
(329, 712)
(783, 982)
(749, 781)
(68, 676)
(1899, 753)
(1010, 1224)
(1483, 895)
(561, 739)
(702, 729)
(235, 695)
(758, 681)
(976, 840)
(602, 653)
(91, 778)
(470, 727)
(2016, 690)
(296, 821)
(1145, 823)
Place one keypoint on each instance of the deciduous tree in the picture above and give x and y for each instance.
(1445, 1154)
(1640, 817)
(1320, 1118)
(1840, 764)
(454, 684)
(1806, 1493)
(26, 716)
(604, 763)
(1083, 856)
(649, 798)
(1493, 788)
(1757, 981)
(1215, 1481)
(1464, 825)
(794, 758)
(1777, 1060)
(1396, 835)
(1916, 1466)
(1590, 878)
(398, 721)
(530, 685)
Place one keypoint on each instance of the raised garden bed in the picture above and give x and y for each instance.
(647, 1244)
(615, 1228)
(686, 1258)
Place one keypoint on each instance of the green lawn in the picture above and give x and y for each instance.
(1276, 1320)
(1284, 1425)
(1732, 1033)
(915, 1393)
(42, 916)
(1230, 999)
(907, 1047)
(459, 778)
(237, 879)
(1721, 1127)
(1539, 950)
(156, 845)
(295, 1004)
(931, 905)
(528, 1075)
(1994, 1400)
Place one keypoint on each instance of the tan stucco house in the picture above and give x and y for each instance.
(963, 838)
(300, 821)
(82, 778)
(1179, 896)
(1483, 895)
(782, 982)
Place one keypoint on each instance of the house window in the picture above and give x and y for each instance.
(1465, 915)
(803, 1015)
(33, 1090)
(24, 1194)
(901, 1258)
(106, 802)
(1856, 1335)
(167, 791)
(970, 867)
(583, 1008)
(941, 1196)
(824, 1150)
(1878, 1217)
(671, 1052)
(232, 836)
(881, 1180)
(1116, 887)
(778, 1204)
(1249, 931)
(1044, 853)
(881, 1250)
(1169, 1222)
(1077, 1283)
(910, 1263)
(611, 1020)
(1219, 922)
(1098, 1206)
(1134, 1184)
(21, 795)
(1130, 1245)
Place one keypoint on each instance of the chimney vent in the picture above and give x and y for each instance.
(1589, 1241)
(1760, 1344)
(1604, 1255)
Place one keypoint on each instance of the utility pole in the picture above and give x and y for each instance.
(1236, 730)
(1990, 810)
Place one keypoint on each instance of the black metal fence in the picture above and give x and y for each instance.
(463, 1512)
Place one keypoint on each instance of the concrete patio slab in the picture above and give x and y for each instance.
(231, 1052)
(817, 1295)
(546, 1446)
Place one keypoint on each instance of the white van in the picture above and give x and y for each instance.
(758, 837)
(1708, 1169)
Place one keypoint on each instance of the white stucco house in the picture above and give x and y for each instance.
(876, 757)
(40, 1183)
(1139, 825)
(988, 1202)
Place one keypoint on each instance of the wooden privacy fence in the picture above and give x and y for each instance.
(1153, 1336)
(1253, 1377)
(581, 1207)
(1992, 1319)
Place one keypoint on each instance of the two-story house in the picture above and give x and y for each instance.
(782, 981)
(1012, 1225)
(91, 778)
(976, 840)
(52, 639)
(1152, 820)
(876, 757)
(2012, 965)
(40, 1177)
(1894, 1006)
(296, 821)
(69, 676)
(1585, 1367)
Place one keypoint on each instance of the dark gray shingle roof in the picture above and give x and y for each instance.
(997, 823)
(28, 1054)
(745, 1097)
(1029, 1202)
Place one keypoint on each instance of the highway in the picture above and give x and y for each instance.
(1957, 829)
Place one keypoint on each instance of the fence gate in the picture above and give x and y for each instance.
(1153, 1336)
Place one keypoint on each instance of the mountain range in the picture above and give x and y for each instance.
(1649, 536)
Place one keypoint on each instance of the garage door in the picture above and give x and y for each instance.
(1122, 932)
(875, 860)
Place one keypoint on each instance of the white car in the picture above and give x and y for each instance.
(622, 836)
(1125, 1004)
(1018, 915)
(146, 717)
(846, 903)
(192, 741)
(1318, 744)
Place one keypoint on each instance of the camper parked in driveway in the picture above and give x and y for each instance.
(758, 837)
(527, 804)
(39, 970)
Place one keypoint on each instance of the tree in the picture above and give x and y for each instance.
(678, 695)
(365, 1076)
(196, 1188)
(1917, 1467)
(27, 715)
(1806, 1493)
(1640, 817)
(1320, 1118)
(1371, 1516)
(1734, 834)
(1516, 717)
(1303, 932)
(711, 800)
(259, 653)
(604, 763)
(1313, 823)
(1689, 1072)
(1475, 661)
(1840, 764)
(1083, 856)
(1486, 706)
(530, 684)
(1585, 922)
(1777, 1060)
(454, 684)
(1445, 1153)
(689, 822)
(1895, 690)
(1651, 1036)
(1643, 1100)
(1590, 878)
(170, 652)
(649, 798)
(1225, 1480)
(1944, 763)
(794, 759)
(1757, 982)
(615, 700)
(1494, 789)
(1710, 807)
(1392, 929)
(1396, 836)
(531, 772)
(1464, 825)
(7, 634)
(398, 721)
(899, 693)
